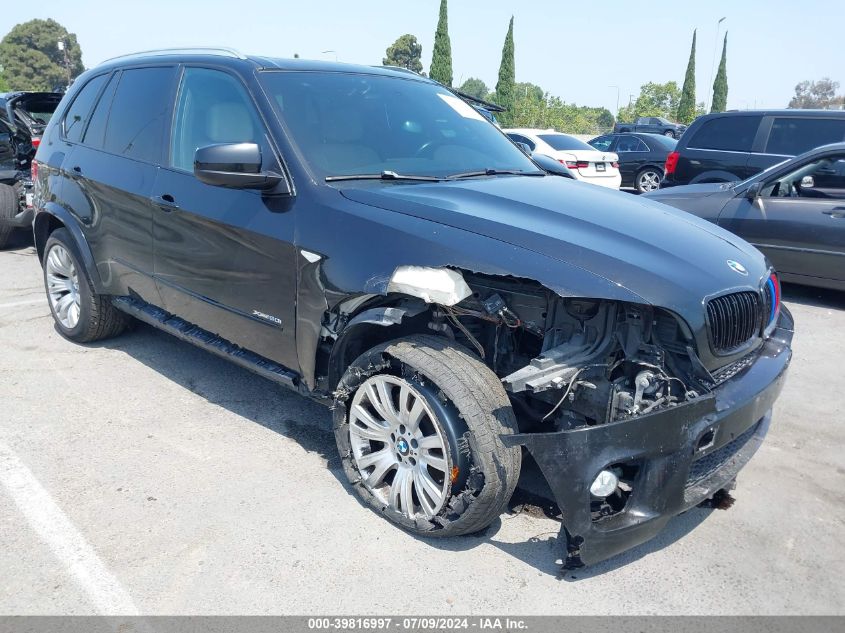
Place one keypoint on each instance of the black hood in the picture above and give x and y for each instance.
(666, 256)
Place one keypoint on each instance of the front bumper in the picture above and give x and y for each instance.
(683, 456)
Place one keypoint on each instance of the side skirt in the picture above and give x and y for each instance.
(208, 341)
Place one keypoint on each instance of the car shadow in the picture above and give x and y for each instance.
(811, 296)
(309, 423)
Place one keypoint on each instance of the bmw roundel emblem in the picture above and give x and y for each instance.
(737, 267)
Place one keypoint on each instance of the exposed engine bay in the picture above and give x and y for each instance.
(573, 362)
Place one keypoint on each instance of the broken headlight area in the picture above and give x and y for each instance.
(575, 362)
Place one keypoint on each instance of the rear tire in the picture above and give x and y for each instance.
(80, 314)
(648, 179)
(465, 406)
(9, 207)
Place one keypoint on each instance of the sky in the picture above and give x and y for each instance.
(580, 52)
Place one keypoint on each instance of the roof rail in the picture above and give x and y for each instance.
(189, 50)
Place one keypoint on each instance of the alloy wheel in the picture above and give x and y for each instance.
(63, 286)
(398, 446)
(649, 181)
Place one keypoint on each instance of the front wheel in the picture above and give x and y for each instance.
(669, 133)
(418, 424)
(648, 180)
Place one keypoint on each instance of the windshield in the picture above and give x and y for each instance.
(347, 124)
(564, 142)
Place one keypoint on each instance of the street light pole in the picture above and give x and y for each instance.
(616, 114)
(63, 49)
(713, 63)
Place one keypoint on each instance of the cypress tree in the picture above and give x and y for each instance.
(720, 85)
(441, 59)
(686, 106)
(507, 79)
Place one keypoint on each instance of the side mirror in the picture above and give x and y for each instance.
(234, 165)
(754, 190)
(808, 182)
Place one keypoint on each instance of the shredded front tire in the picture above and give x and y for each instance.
(461, 402)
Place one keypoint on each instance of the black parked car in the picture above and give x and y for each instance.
(793, 212)
(23, 117)
(641, 157)
(733, 146)
(652, 125)
(365, 237)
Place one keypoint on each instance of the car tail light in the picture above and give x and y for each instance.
(614, 165)
(36, 142)
(33, 169)
(671, 163)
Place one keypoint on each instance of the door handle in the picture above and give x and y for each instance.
(165, 202)
(76, 171)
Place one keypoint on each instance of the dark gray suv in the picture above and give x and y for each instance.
(365, 237)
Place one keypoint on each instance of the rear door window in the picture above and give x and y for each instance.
(731, 133)
(80, 110)
(139, 113)
(791, 136)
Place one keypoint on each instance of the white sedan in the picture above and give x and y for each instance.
(585, 162)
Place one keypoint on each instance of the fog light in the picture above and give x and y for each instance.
(605, 484)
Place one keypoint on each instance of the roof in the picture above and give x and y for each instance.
(783, 112)
(231, 57)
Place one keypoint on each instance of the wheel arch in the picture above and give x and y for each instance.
(714, 176)
(369, 327)
(53, 217)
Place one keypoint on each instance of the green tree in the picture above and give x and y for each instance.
(654, 100)
(720, 85)
(817, 94)
(31, 59)
(4, 86)
(404, 52)
(505, 96)
(686, 107)
(475, 88)
(441, 59)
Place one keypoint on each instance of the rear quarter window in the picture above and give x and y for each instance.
(791, 136)
(79, 111)
(735, 134)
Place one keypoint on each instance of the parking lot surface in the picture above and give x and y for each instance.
(142, 475)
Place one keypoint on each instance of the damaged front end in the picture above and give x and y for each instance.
(626, 422)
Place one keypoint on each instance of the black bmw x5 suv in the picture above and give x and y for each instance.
(365, 237)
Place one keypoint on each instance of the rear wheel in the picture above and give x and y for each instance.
(418, 424)
(80, 313)
(9, 207)
(648, 180)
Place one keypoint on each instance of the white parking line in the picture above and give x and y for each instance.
(67, 544)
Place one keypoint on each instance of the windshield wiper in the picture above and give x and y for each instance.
(496, 172)
(385, 175)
